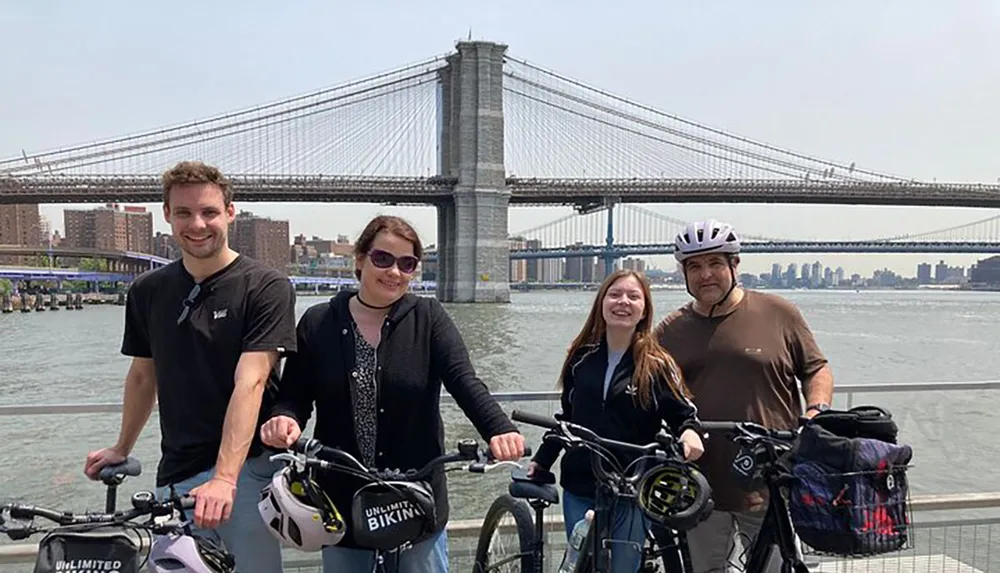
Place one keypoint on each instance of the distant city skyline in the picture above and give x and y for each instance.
(756, 263)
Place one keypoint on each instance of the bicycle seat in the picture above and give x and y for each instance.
(117, 472)
(540, 486)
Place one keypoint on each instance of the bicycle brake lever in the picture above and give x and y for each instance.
(481, 468)
(285, 457)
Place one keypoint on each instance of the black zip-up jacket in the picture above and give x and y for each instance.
(618, 417)
(420, 348)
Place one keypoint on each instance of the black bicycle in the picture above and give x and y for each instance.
(111, 540)
(838, 513)
(395, 509)
(658, 480)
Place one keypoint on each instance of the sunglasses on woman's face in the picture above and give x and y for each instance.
(384, 260)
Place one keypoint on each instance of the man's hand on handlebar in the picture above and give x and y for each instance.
(692, 444)
(280, 432)
(213, 502)
(507, 447)
(100, 458)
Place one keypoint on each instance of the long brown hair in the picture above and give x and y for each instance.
(652, 361)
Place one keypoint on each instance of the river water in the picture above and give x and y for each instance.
(869, 336)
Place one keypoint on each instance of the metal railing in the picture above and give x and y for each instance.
(848, 390)
(966, 552)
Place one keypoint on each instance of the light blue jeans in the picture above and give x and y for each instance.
(628, 529)
(245, 534)
(428, 556)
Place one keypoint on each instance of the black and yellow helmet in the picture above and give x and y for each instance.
(676, 495)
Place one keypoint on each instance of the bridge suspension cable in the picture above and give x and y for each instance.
(736, 155)
(382, 124)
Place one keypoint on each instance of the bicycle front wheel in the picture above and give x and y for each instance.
(507, 538)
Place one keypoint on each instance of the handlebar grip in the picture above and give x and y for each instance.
(21, 512)
(719, 426)
(534, 419)
(301, 445)
(186, 502)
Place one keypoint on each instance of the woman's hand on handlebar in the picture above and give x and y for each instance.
(280, 432)
(507, 447)
(692, 444)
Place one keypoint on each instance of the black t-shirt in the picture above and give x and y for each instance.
(243, 307)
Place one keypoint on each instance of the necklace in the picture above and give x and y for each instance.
(373, 307)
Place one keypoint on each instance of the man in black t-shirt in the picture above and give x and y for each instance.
(205, 334)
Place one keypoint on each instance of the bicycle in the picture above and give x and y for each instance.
(763, 459)
(539, 492)
(104, 541)
(393, 511)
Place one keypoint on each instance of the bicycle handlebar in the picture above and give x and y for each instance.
(749, 431)
(466, 450)
(143, 502)
(573, 435)
(570, 432)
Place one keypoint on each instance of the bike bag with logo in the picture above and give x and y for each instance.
(89, 549)
(391, 514)
(849, 496)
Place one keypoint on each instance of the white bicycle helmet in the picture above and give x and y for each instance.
(176, 552)
(702, 237)
(298, 513)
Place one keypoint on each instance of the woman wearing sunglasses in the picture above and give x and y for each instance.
(373, 361)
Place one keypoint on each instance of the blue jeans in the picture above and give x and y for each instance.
(428, 556)
(245, 534)
(628, 529)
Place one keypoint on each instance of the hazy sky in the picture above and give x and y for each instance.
(903, 86)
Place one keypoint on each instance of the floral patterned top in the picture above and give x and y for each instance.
(365, 395)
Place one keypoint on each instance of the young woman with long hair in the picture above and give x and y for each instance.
(619, 382)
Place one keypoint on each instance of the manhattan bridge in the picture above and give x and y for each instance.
(477, 130)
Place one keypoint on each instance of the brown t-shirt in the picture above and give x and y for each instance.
(742, 367)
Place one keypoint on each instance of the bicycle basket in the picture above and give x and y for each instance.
(387, 515)
(89, 548)
(850, 497)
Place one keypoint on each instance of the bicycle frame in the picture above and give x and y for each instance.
(777, 531)
(595, 553)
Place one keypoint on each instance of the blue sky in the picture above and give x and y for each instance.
(907, 87)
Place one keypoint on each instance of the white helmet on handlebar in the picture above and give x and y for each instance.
(298, 513)
(703, 237)
(177, 552)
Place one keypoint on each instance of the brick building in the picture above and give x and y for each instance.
(19, 225)
(110, 228)
(262, 239)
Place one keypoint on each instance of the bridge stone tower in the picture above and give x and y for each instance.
(473, 253)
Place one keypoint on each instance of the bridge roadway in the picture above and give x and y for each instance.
(776, 247)
(58, 188)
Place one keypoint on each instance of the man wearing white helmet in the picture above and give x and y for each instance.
(740, 352)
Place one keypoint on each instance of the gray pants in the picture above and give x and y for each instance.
(713, 543)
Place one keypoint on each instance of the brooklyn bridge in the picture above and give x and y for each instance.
(477, 130)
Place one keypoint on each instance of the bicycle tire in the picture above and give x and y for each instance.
(523, 521)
